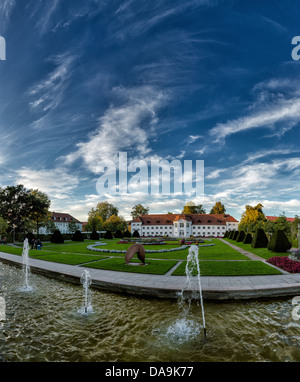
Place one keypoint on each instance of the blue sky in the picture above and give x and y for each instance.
(193, 80)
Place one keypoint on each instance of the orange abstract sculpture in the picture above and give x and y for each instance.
(135, 249)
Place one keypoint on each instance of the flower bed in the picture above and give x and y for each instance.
(92, 248)
(285, 263)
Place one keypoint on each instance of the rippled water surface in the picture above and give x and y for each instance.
(47, 324)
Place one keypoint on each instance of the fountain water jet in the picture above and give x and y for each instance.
(86, 281)
(26, 266)
(192, 290)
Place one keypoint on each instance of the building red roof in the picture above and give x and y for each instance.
(196, 219)
(272, 218)
(63, 217)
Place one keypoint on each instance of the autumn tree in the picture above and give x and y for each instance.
(251, 217)
(115, 223)
(191, 208)
(218, 208)
(139, 210)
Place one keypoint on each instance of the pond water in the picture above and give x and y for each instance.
(47, 324)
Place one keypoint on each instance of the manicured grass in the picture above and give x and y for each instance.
(66, 258)
(157, 267)
(12, 250)
(262, 252)
(230, 268)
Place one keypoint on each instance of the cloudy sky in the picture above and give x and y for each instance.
(209, 80)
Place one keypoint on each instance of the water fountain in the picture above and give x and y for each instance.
(26, 266)
(192, 290)
(86, 281)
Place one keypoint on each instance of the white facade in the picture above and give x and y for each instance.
(183, 227)
(61, 221)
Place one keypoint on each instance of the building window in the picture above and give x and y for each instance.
(181, 225)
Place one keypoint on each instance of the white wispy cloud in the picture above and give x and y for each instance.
(56, 183)
(47, 94)
(6, 7)
(286, 111)
(124, 127)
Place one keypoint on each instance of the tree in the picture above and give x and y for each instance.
(251, 217)
(50, 226)
(218, 208)
(41, 205)
(72, 227)
(281, 223)
(105, 210)
(139, 210)
(3, 226)
(193, 209)
(18, 205)
(114, 223)
(95, 222)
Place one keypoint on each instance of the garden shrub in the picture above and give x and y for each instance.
(127, 233)
(136, 233)
(241, 236)
(94, 235)
(260, 239)
(231, 234)
(118, 234)
(279, 242)
(57, 237)
(108, 235)
(247, 239)
(78, 236)
(235, 235)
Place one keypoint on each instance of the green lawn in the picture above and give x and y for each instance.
(159, 262)
(230, 268)
(65, 258)
(262, 252)
(158, 267)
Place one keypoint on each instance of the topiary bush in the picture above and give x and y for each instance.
(231, 234)
(57, 237)
(136, 233)
(94, 235)
(235, 235)
(279, 242)
(127, 233)
(77, 236)
(108, 235)
(247, 239)
(241, 236)
(260, 239)
(118, 234)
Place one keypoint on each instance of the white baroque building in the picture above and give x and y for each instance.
(184, 225)
(61, 221)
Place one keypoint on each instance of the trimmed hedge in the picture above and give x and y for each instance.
(118, 234)
(247, 239)
(57, 237)
(108, 235)
(94, 235)
(241, 236)
(235, 235)
(136, 233)
(279, 242)
(260, 239)
(77, 236)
